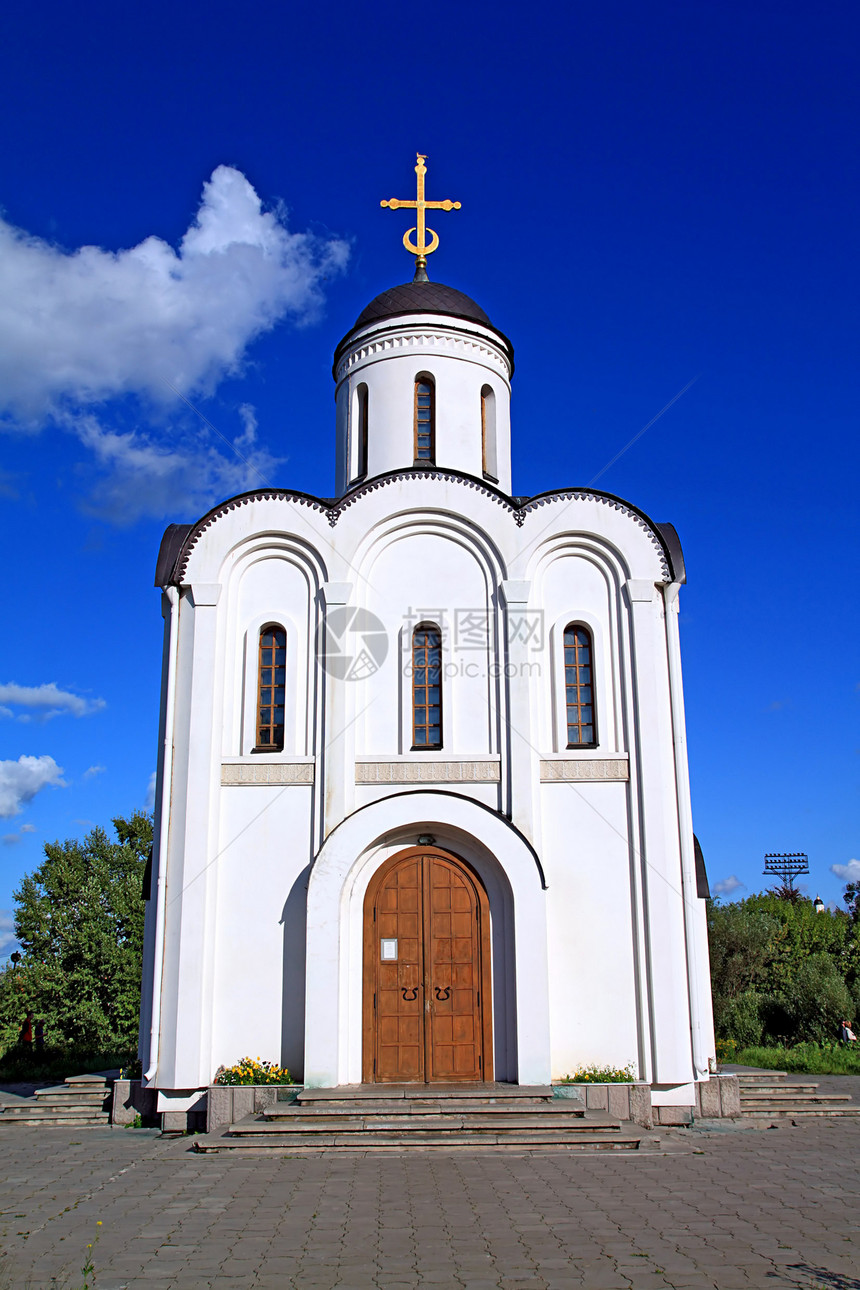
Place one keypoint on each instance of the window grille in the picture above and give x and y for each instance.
(271, 688)
(425, 420)
(579, 687)
(426, 687)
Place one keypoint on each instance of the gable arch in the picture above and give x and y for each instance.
(269, 578)
(424, 567)
(595, 575)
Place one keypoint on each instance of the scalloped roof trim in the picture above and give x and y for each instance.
(334, 509)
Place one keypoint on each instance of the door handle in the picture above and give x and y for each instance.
(411, 994)
(442, 992)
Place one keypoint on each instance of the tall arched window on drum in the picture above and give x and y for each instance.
(425, 421)
(271, 691)
(579, 687)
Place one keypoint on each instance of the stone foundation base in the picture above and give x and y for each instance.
(716, 1098)
(130, 1100)
(227, 1103)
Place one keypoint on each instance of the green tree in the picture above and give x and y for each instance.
(781, 971)
(79, 920)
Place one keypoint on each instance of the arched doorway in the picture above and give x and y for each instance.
(427, 1005)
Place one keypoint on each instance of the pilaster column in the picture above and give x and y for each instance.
(521, 756)
(185, 1050)
(660, 858)
(698, 967)
(338, 760)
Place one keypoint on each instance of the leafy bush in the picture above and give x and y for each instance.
(252, 1070)
(818, 1000)
(601, 1075)
(742, 1018)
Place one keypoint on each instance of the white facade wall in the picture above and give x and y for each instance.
(598, 940)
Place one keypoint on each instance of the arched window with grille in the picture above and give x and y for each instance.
(579, 687)
(488, 434)
(271, 688)
(361, 430)
(425, 420)
(426, 687)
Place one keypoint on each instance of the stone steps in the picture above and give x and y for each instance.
(81, 1100)
(400, 1142)
(422, 1117)
(489, 1093)
(416, 1124)
(421, 1111)
(774, 1086)
(788, 1094)
(802, 1108)
(770, 1096)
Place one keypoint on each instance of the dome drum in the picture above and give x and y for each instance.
(395, 372)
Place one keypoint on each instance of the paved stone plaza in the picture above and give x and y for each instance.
(744, 1207)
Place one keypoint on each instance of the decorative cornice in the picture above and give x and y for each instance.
(518, 507)
(584, 495)
(426, 338)
(428, 772)
(240, 774)
(403, 476)
(599, 768)
(233, 504)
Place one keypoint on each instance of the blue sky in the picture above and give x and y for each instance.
(650, 194)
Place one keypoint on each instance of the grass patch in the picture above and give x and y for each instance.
(803, 1059)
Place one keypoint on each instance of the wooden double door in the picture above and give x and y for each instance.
(427, 1006)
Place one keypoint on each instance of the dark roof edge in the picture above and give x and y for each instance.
(378, 325)
(672, 545)
(178, 537)
(703, 887)
(169, 552)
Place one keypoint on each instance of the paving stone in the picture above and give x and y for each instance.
(755, 1209)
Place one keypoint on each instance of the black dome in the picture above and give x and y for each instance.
(421, 298)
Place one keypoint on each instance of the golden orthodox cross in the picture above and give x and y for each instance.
(421, 249)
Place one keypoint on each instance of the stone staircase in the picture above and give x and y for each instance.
(769, 1096)
(82, 1099)
(379, 1117)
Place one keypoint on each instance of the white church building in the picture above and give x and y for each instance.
(423, 808)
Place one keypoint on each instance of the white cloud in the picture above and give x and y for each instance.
(728, 886)
(7, 933)
(80, 327)
(248, 437)
(10, 839)
(849, 872)
(21, 780)
(45, 701)
(142, 477)
(92, 771)
(150, 792)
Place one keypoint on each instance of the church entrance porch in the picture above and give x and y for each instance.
(427, 1005)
